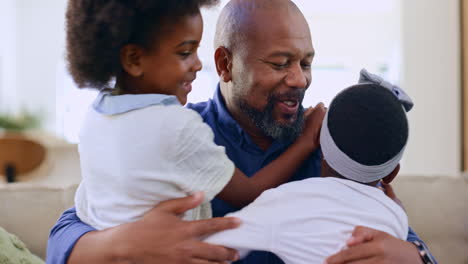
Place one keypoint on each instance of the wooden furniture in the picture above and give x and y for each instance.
(464, 39)
(19, 156)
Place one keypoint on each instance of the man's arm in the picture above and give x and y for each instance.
(369, 246)
(242, 190)
(159, 237)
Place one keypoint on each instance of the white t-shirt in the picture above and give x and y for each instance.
(132, 161)
(306, 221)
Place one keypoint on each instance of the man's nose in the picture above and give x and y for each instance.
(296, 77)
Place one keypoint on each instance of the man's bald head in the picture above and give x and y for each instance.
(237, 17)
(263, 57)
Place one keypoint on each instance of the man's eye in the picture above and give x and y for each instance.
(306, 66)
(279, 65)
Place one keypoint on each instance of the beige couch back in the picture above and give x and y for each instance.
(30, 211)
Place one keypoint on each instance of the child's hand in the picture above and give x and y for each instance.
(388, 189)
(313, 123)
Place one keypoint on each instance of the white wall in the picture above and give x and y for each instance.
(431, 75)
(40, 46)
(347, 38)
(8, 33)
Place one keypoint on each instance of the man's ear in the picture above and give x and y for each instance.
(389, 178)
(131, 60)
(223, 61)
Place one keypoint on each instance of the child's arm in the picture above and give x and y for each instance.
(242, 190)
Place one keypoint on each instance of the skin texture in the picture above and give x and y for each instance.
(169, 66)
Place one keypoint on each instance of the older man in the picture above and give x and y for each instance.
(263, 57)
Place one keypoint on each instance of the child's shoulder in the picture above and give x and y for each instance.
(306, 186)
(171, 114)
(148, 119)
(174, 118)
(175, 114)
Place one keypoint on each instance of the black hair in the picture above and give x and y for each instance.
(98, 29)
(368, 123)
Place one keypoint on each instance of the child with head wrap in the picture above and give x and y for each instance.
(363, 138)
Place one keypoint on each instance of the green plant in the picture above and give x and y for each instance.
(20, 122)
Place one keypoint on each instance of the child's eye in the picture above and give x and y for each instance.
(185, 54)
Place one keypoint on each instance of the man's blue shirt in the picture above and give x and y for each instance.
(247, 156)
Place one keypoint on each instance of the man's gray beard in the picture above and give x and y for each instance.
(268, 125)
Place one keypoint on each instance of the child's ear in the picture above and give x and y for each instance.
(130, 58)
(389, 178)
(223, 61)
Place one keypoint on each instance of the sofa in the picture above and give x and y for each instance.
(437, 206)
(30, 207)
(437, 209)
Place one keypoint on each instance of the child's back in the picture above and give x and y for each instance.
(306, 221)
(138, 146)
(130, 160)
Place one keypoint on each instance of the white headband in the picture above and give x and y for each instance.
(349, 168)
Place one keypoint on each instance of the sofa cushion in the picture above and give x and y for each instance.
(437, 209)
(30, 211)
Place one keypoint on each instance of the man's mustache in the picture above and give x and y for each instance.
(294, 95)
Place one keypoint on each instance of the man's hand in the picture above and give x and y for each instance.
(159, 237)
(313, 123)
(370, 246)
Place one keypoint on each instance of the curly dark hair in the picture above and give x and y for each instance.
(98, 29)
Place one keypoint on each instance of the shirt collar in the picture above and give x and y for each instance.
(224, 117)
(108, 104)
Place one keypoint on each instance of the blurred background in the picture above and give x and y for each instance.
(413, 43)
(417, 44)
